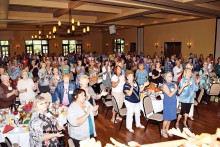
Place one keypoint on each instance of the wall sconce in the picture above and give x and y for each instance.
(126, 44)
(189, 44)
(156, 44)
(17, 46)
(107, 44)
(88, 45)
(56, 45)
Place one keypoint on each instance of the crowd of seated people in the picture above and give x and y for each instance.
(77, 81)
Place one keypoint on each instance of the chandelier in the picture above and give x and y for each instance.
(41, 34)
(72, 29)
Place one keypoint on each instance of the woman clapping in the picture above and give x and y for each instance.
(132, 100)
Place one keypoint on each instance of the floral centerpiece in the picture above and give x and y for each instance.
(25, 112)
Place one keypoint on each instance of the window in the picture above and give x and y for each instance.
(118, 45)
(4, 48)
(70, 46)
(37, 46)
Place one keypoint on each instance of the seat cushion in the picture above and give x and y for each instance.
(157, 117)
(123, 111)
(108, 103)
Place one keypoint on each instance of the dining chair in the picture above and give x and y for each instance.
(107, 105)
(121, 112)
(150, 116)
(196, 102)
(214, 90)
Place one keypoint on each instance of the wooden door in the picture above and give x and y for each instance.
(171, 48)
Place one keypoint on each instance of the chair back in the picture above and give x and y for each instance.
(8, 142)
(200, 95)
(215, 89)
(147, 105)
(70, 143)
(115, 104)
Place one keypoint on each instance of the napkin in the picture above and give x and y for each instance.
(26, 121)
(7, 129)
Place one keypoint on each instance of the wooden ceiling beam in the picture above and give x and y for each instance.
(35, 16)
(154, 4)
(3, 13)
(40, 3)
(71, 6)
(121, 16)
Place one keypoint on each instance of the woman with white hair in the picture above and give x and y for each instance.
(91, 96)
(169, 103)
(26, 88)
(8, 92)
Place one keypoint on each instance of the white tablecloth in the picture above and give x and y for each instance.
(18, 135)
(157, 105)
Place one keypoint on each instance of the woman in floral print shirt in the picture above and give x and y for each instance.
(44, 131)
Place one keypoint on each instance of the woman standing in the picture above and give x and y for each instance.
(187, 87)
(80, 116)
(8, 92)
(132, 100)
(118, 81)
(93, 76)
(64, 90)
(44, 79)
(217, 67)
(44, 130)
(157, 74)
(177, 70)
(106, 71)
(56, 78)
(64, 68)
(204, 81)
(169, 103)
(90, 93)
(80, 70)
(141, 74)
(26, 88)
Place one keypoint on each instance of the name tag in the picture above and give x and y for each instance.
(135, 85)
(9, 88)
(49, 115)
(71, 92)
(171, 89)
(190, 83)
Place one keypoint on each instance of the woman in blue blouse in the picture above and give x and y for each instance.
(132, 100)
(187, 88)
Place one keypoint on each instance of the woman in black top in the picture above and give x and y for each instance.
(157, 74)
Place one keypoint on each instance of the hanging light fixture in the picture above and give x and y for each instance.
(68, 31)
(73, 28)
(84, 30)
(87, 29)
(54, 29)
(73, 20)
(59, 23)
(78, 23)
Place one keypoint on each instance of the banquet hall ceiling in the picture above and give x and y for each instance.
(24, 14)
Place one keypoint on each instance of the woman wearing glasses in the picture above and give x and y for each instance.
(80, 116)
